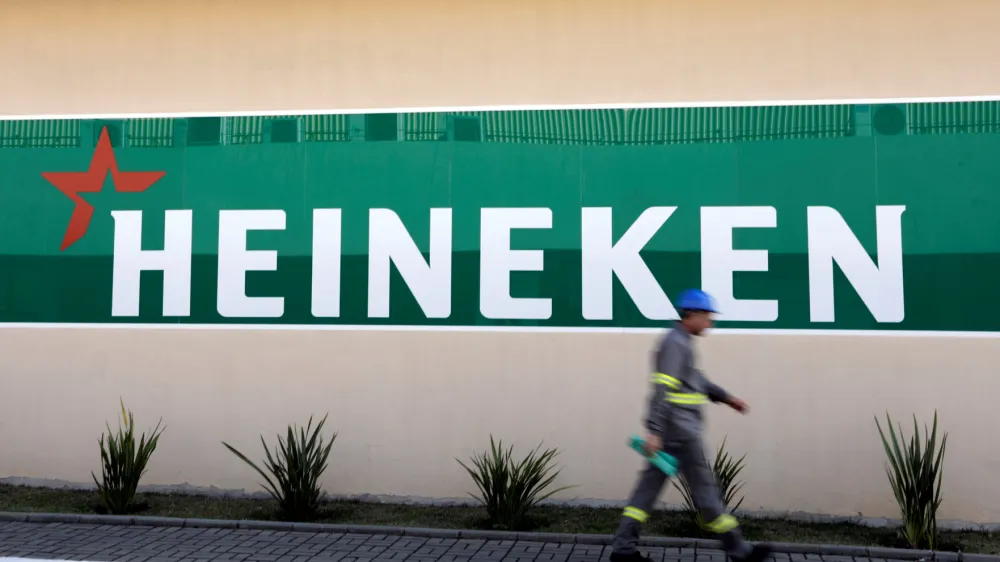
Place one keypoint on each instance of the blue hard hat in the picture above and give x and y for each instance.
(696, 299)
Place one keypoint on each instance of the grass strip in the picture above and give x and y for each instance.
(549, 519)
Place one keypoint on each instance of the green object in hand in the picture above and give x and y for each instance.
(663, 461)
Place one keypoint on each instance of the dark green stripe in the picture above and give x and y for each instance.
(943, 292)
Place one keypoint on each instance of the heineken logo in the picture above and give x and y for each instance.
(803, 233)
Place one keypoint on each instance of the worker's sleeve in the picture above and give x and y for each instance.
(715, 392)
(670, 363)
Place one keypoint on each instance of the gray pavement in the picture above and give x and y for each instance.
(141, 543)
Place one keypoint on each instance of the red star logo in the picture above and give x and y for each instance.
(72, 184)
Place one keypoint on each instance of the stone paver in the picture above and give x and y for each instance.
(138, 543)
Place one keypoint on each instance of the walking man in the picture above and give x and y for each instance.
(674, 422)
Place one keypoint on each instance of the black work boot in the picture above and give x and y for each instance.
(630, 557)
(758, 554)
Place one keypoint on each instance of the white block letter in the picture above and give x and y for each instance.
(326, 252)
(602, 260)
(879, 286)
(174, 260)
(429, 281)
(497, 260)
(719, 260)
(235, 261)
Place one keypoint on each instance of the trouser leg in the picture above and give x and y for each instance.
(647, 489)
(700, 478)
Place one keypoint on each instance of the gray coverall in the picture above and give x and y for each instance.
(679, 390)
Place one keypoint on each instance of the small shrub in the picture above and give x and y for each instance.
(915, 473)
(726, 470)
(123, 463)
(509, 489)
(294, 470)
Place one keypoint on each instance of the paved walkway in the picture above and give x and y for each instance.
(133, 543)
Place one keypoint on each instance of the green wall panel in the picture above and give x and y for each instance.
(938, 160)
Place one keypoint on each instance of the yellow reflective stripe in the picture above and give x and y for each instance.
(663, 378)
(722, 524)
(686, 398)
(636, 513)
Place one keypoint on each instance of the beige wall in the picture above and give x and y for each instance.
(101, 56)
(406, 403)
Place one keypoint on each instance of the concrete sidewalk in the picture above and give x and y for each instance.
(209, 541)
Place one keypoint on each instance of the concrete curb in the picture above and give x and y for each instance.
(561, 538)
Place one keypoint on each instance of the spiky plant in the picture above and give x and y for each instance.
(294, 469)
(123, 463)
(915, 472)
(509, 489)
(726, 469)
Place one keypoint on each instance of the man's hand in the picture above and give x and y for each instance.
(653, 444)
(738, 405)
